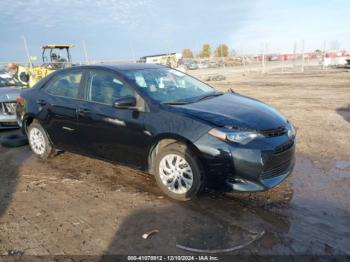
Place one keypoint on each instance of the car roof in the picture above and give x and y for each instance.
(125, 67)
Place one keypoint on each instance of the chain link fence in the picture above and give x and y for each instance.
(241, 63)
(283, 63)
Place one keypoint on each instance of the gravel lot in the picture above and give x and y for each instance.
(75, 205)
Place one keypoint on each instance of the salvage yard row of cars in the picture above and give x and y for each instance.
(162, 121)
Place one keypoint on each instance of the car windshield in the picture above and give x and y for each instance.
(170, 86)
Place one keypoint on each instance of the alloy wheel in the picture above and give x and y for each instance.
(176, 173)
(37, 141)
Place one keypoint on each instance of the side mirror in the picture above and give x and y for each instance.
(125, 102)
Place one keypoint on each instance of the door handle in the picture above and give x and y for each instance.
(41, 102)
(83, 111)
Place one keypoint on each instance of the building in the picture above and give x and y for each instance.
(170, 59)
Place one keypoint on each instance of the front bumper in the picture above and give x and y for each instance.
(8, 118)
(256, 185)
(8, 121)
(257, 166)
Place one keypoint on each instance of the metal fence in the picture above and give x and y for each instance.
(237, 64)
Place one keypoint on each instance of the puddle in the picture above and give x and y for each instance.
(318, 212)
(309, 213)
(343, 164)
(322, 185)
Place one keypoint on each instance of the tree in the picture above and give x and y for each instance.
(206, 51)
(187, 53)
(221, 51)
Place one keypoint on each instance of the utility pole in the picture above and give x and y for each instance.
(85, 53)
(222, 56)
(324, 55)
(294, 54)
(263, 58)
(27, 53)
(132, 51)
(240, 53)
(302, 56)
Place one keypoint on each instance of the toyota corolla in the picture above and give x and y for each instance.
(162, 121)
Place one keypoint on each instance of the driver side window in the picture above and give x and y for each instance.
(105, 87)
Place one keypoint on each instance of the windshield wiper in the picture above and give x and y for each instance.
(176, 102)
(209, 95)
(193, 100)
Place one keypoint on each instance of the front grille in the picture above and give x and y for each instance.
(284, 147)
(8, 108)
(277, 170)
(278, 162)
(274, 132)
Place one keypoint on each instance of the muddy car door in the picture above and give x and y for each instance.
(105, 131)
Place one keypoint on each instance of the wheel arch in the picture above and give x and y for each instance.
(27, 120)
(164, 140)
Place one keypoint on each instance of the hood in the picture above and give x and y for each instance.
(9, 94)
(233, 110)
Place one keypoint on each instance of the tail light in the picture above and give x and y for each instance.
(20, 100)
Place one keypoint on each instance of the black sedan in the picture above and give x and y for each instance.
(162, 121)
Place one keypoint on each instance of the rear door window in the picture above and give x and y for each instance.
(65, 84)
(105, 87)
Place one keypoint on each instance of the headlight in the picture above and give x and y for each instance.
(241, 137)
(291, 131)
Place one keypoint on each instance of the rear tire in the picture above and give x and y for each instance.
(178, 172)
(39, 141)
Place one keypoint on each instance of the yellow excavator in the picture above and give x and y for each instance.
(54, 57)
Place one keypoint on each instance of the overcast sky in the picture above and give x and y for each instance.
(123, 29)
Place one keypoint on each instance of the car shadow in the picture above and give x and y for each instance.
(212, 223)
(285, 220)
(344, 112)
(10, 162)
(202, 226)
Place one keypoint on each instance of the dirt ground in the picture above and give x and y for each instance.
(75, 205)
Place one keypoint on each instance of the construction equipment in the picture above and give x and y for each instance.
(54, 57)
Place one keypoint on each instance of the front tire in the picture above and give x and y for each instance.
(178, 172)
(39, 141)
